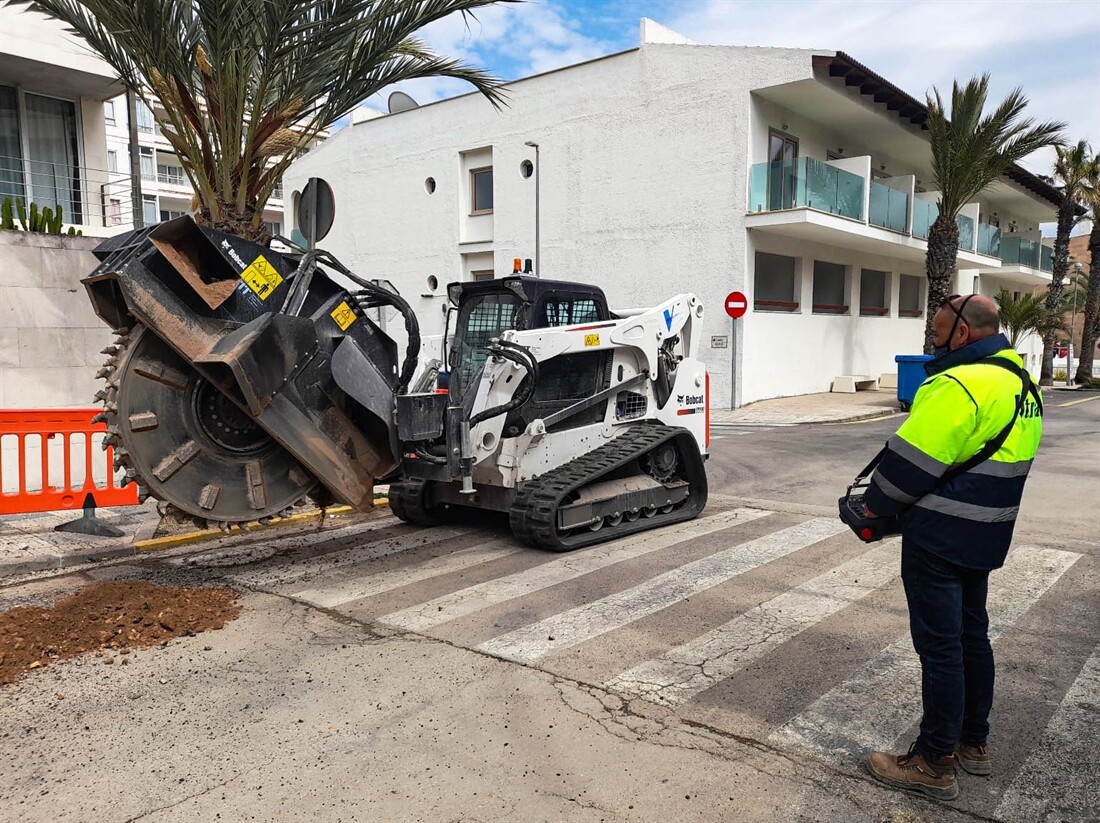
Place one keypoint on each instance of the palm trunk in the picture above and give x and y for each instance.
(231, 221)
(1067, 212)
(939, 266)
(1090, 328)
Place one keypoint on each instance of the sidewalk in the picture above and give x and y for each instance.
(826, 407)
(28, 542)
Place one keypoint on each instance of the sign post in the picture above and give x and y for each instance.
(736, 304)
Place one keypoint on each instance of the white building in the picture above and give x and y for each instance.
(165, 190)
(798, 177)
(52, 140)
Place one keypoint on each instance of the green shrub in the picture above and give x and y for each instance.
(1092, 383)
(1060, 374)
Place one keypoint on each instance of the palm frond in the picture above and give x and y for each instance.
(226, 77)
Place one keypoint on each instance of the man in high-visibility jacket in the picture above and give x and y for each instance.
(957, 527)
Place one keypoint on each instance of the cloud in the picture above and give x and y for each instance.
(1051, 50)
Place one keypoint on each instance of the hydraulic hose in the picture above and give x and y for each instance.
(523, 358)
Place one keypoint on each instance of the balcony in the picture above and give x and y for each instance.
(805, 183)
(838, 200)
(889, 208)
(1019, 251)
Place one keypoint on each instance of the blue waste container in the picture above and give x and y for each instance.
(910, 376)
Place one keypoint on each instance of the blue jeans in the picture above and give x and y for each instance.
(950, 629)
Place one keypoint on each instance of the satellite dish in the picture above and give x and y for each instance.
(316, 210)
(399, 101)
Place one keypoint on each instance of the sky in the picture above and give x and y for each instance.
(1050, 48)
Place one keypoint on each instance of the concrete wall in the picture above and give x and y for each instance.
(50, 338)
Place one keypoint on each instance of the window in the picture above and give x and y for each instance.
(52, 134)
(170, 214)
(172, 175)
(874, 293)
(830, 288)
(11, 147)
(148, 171)
(114, 212)
(775, 284)
(480, 319)
(782, 170)
(483, 274)
(481, 186)
(569, 311)
(909, 296)
(273, 228)
(112, 161)
(109, 112)
(149, 209)
(145, 120)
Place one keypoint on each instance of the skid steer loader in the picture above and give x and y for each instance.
(244, 380)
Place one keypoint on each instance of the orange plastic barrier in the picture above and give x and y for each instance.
(71, 425)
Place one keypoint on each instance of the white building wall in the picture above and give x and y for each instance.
(792, 353)
(643, 181)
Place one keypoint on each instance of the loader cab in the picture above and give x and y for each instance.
(488, 308)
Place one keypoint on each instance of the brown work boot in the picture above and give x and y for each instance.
(974, 759)
(912, 772)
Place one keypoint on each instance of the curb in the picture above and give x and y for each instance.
(174, 540)
(56, 561)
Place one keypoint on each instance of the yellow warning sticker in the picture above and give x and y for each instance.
(262, 277)
(591, 340)
(343, 315)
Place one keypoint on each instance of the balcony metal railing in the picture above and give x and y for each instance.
(889, 208)
(805, 183)
(88, 196)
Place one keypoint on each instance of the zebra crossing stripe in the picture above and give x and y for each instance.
(231, 552)
(683, 672)
(330, 562)
(533, 642)
(568, 567)
(332, 596)
(1045, 789)
(878, 704)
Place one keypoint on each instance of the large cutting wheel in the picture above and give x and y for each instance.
(187, 443)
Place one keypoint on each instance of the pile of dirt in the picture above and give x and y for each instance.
(108, 618)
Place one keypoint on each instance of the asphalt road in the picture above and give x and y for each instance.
(735, 668)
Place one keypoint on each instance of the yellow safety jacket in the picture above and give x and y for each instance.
(967, 518)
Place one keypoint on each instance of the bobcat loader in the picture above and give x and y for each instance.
(244, 380)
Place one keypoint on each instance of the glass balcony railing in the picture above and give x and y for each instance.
(889, 208)
(1018, 251)
(989, 240)
(805, 183)
(966, 232)
(1046, 258)
(925, 213)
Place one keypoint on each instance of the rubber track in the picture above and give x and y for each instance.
(534, 513)
(408, 503)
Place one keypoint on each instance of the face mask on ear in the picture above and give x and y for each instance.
(944, 350)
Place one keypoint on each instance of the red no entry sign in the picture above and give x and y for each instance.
(736, 304)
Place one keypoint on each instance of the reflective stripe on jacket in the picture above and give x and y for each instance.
(968, 519)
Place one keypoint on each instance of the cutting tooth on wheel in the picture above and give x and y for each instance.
(111, 350)
(99, 418)
(106, 371)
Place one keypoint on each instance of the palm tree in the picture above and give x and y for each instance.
(1072, 168)
(1020, 315)
(1090, 326)
(244, 87)
(969, 152)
